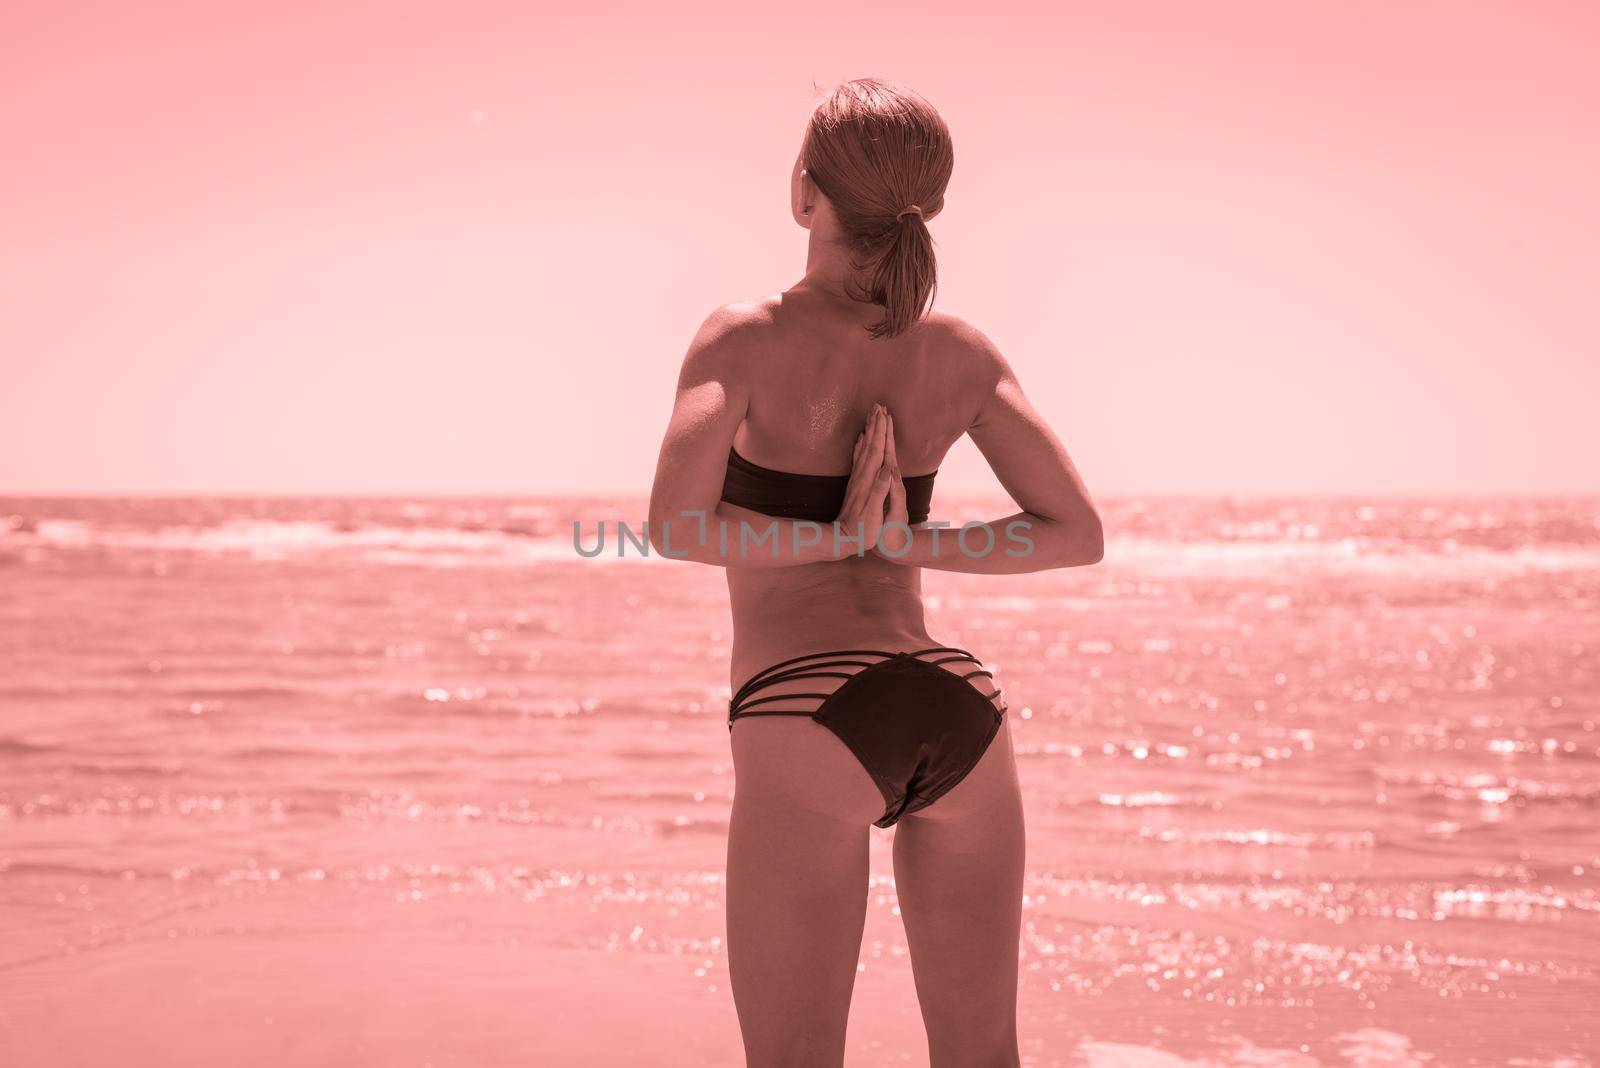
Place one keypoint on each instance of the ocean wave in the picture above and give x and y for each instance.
(1160, 556)
(264, 537)
(13, 746)
(514, 541)
(1260, 836)
(1336, 901)
(1369, 1047)
(531, 535)
(1490, 789)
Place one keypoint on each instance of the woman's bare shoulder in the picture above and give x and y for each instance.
(723, 344)
(969, 347)
(745, 318)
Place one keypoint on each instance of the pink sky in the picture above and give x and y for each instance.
(461, 248)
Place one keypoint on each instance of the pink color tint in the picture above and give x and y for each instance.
(356, 782)
(1230, 247)
(371, 776)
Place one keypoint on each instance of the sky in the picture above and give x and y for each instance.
(1229, 248)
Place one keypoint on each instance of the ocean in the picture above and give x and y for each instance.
(365, 781)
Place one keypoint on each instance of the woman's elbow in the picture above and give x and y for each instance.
(1094, 539)
(1083, 542)
(676, 533)
(656, 527)
(661, 534)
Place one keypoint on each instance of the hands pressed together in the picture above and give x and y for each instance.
(876, 494)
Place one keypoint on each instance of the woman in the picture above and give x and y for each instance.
(847, 711)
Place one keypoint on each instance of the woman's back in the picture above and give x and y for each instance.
(812, 376)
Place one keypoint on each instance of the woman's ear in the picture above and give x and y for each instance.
(803, 197)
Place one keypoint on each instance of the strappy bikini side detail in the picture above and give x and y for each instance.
(758, 676)
(914, 720)
(795, 668)
(771, 676)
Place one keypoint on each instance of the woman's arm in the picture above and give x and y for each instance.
(1058, 525)
(689, 520)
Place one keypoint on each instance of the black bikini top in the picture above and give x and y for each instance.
(814, 497)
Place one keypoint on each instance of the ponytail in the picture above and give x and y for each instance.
(880, 153)
(903, 278)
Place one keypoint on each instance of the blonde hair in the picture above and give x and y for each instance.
(882, 156)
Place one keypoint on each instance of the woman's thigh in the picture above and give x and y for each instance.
(958, 868)
(797, 887)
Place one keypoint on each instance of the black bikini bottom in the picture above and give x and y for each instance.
(917, 728)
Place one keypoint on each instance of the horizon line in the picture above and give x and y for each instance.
(1481, 494)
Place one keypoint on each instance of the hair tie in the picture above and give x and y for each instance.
(909, 210)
